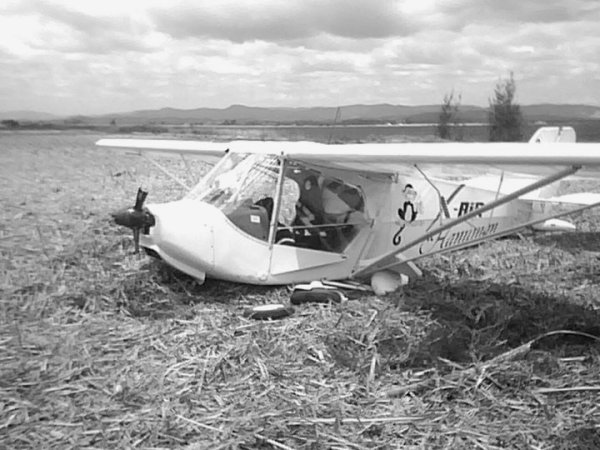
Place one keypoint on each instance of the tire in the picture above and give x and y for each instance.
(269, 312)
(316, 295)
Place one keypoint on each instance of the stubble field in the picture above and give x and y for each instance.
(100, 348)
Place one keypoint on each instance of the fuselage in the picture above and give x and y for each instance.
(257, 219)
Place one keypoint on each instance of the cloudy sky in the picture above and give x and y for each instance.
(100, 56)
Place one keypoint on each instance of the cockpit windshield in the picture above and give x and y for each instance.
(243, 187)
(238, 179)
(315, 211)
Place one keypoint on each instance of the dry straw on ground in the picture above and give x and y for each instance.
(102, 349)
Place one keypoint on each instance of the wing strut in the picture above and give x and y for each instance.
(444, 206)
(442, 199)
(187, 168)
(384, 261)
(166, 172)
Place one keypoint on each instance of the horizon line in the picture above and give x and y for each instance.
(59, 115)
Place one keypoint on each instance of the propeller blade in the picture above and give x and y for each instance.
(136, 240)
(139, 199)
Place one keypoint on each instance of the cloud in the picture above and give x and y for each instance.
(281, 20)
(62, 27)
(74, 56)
(541, 11)
(81, 22)
(465, 12)
(299, 22)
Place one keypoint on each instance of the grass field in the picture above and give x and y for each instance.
(100, 348)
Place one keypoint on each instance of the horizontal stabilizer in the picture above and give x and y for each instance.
(553, 134)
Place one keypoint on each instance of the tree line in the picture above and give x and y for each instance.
(504, 116)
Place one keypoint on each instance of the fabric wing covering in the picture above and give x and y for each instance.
(387, 158)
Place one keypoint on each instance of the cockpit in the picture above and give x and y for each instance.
(284, 202)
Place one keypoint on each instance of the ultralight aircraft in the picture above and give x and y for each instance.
(279, 212)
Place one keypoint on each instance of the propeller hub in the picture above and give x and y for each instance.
(133, 219)
(137, 218)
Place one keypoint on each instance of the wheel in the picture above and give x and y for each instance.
(316, 295)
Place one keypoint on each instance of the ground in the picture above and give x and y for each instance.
(102, 348)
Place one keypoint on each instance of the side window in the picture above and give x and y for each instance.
(328, 213)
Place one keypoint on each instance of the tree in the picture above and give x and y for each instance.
(448, 125)
(505, 119)
(10, 123)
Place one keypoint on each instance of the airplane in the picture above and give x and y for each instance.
(281, 213)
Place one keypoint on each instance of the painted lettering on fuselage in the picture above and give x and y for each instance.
(467, 207)
(449, 239)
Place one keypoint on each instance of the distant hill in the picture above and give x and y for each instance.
(248, 114)
(349, 114)
(27, 115)
(550, 111)
(531, 113)
(382, 113)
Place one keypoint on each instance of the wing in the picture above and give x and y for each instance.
(558, 149)
(534, 159)
(555, 150)
(209, 151)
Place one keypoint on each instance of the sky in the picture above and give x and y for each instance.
(101, 56)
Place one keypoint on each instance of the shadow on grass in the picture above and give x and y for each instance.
(477, 320)
(571, 242)
(103, 274)
(583, 438)
(160, 292)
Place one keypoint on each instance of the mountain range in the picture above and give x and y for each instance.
(27, 115)
(381, 113)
